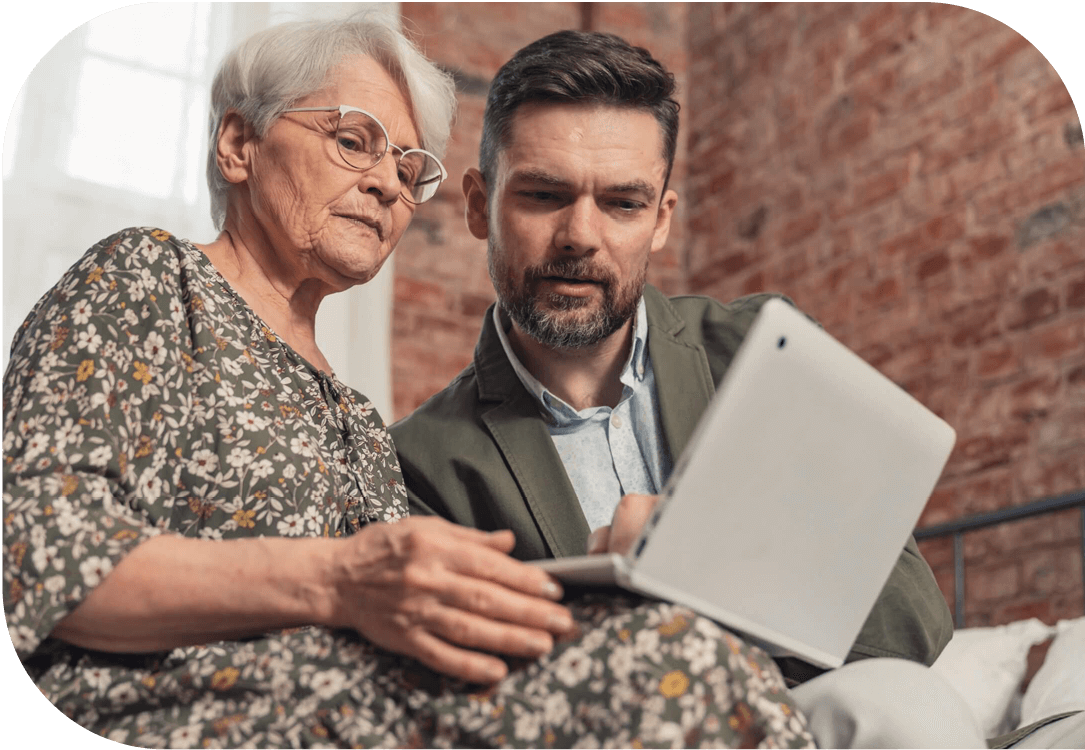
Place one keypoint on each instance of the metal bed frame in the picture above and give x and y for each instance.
(959, 527)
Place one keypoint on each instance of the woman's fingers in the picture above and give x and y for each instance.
(484, 555)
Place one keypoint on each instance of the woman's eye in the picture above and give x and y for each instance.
(350, 144)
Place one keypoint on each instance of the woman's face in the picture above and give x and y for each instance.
(321, 218)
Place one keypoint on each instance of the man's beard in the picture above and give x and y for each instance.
(550, 318)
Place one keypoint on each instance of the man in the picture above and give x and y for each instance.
(587, 383)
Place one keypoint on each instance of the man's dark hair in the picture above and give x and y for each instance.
(579, 67)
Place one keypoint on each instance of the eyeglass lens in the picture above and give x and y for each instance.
(362, 143)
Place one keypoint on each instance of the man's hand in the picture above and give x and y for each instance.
(443, 594)
(629, 518)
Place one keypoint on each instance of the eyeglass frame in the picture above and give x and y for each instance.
(343, 109)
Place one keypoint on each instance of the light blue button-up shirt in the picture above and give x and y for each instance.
(607, 452)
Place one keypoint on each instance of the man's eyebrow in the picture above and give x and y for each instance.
(634, 186)
(539, 177)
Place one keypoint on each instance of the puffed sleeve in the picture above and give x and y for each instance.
(91, 395)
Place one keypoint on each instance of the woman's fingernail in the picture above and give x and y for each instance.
(551, 590)
(593, 542)
(560, 622)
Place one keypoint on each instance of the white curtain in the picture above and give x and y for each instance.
(110, 131)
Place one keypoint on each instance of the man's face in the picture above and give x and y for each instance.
(572, 216)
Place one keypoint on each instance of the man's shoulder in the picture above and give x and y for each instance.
(695, 313)
(455, 405)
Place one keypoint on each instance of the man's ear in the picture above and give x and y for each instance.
(477, 210)
(663, 220)
(231, 149)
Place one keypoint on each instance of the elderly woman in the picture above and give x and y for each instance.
(204, 529)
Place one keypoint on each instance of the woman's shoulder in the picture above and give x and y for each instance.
(133, 269)
(139, 247)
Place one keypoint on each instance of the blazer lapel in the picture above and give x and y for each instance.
(520, 433)
(684, 383)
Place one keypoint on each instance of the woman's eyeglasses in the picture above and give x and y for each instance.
(362, 142)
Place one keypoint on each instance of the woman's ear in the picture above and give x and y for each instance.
(231, 150)
(477, 210)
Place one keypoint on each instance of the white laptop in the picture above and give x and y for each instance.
(785, 515)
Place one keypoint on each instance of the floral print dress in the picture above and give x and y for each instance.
(145, 397)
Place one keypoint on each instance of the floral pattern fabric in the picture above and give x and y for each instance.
(143, 397)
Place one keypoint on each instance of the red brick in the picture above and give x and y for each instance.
(474, 305)
(726, 267)
(944, 228)
(884, 292)
(1057, 340)
(825, 18)
(990, 60)
(942, 13)
(429, 293)
(873, 54)
(937, 551)
(1056, 260)
(975, 102)
(998, 360)
(847, 134)
(1033, 308)
(1057, 179)
(974, 323)
(1075, 293)
(881, 186)
(932, 89)
(1051, 571)
(1034, 397)
(932, 265)
(988, 246)
(1049, 100)
(1063, 431)
(993, 447)
(993, 583)
(799, 228)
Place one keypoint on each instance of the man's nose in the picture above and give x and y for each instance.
(579, 230)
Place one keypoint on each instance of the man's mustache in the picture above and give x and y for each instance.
(579, 269)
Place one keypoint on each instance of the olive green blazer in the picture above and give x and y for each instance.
(478, 453)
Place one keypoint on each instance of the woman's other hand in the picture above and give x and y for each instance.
(629, 518)
(444, 594)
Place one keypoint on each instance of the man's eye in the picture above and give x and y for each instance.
(628, 206)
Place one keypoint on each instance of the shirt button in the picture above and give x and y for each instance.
(616, 421)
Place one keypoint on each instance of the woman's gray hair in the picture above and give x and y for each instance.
(274, 68)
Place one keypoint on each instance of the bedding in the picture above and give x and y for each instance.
(987, 666)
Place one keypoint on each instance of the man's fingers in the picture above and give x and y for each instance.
(630, 516)
(599, 540)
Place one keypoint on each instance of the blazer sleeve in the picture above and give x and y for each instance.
(910, 619)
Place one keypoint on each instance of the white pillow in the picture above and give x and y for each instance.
(986, 666)
(1059, 684)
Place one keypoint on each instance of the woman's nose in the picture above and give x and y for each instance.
(382, 179)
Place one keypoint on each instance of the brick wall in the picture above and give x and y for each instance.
(912, 175)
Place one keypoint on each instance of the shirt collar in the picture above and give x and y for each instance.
(558, 409)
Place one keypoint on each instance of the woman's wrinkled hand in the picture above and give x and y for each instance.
(445, 594)
(629, 518)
